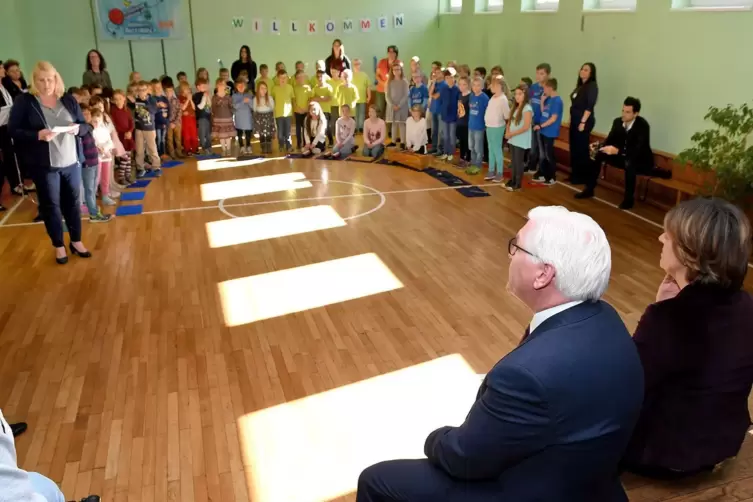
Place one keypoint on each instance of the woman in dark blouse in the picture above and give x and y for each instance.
(14, 81)
(696, 345)
(337, 58)
(244, 62)
(582, 122)
(96, 70)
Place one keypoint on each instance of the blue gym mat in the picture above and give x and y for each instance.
(150, 174)
(129, 210)
(130, 196)
(207, 157)
(140, 184)
(171, 163)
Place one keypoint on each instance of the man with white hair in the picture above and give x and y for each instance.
(553, 417)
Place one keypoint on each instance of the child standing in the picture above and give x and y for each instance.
(477, 104)
(282, 95)
(345, 131)
(163, 117)
(264, 117)
(189, 132)
(497, 112)
(543, 71)
(279, 66)
(334, 111)
(374, 133)
(435, 106)
(90, 171)
(450, 96)
(551, 120)
(463, 118)
(222, 116)
(242, 115)
(302, 95)
(319, 66)
(519, 136)
(419, 93)
(203, 103)
(229, 85)
(105, 147)
(323, 95)
(396, 94)
(361, 81)
(264, 77)
(348, 92)
(173, 141)
(145, 112)
(124, 126)
(314, 130)
(416, 131)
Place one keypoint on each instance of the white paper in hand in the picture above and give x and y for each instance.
(64, 129)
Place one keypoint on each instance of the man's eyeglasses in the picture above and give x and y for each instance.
(512, 248)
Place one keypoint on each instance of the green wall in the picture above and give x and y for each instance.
(678, 63)
(214, 37)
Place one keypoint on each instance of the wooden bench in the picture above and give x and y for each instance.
(407, 158)
(685, 180)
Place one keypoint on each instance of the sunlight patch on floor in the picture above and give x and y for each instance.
(253, 186)
(272, 225)
(313, 449)
(226, 163)
(264, 296)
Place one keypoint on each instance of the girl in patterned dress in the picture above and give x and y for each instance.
(222, 116)
(264, 117)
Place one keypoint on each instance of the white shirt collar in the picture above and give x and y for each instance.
(540, 317)
(629, 125)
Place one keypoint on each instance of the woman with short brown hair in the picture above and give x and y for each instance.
(695, 345)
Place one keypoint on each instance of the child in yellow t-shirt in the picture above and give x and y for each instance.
(302, 94)
(283, 94)
(264, 71)
(363, 84)
(278, 66)
(315, 79)
(322, 94)
(300, 67)
(348, 92)
(336, 83)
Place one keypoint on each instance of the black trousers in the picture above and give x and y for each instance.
(580, 155)
(461, 132)
(534, 154)
(58, 192)
(548, 161)
(330, 128)
(616, 161)
(300, 118)
(518, 166)
(8, 168)
(248, 134)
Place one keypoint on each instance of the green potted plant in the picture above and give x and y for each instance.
(725, 151)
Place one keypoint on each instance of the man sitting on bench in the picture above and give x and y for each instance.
(627, 147)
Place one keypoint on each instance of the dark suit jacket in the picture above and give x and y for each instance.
(552, 418)
(697, 353)
(634, 145)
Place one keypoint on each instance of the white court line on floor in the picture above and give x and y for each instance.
(11, 211)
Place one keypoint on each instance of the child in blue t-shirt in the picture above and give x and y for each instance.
(536, 90)
(476, 126)
(549, 129)
(435, 90)
(419, 93)
(449, 97)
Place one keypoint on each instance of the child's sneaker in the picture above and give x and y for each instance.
(141, 173)
(489, 177)
(498, 179)
(550, 182)
(157, 172)
(100, 218)
(107, 201)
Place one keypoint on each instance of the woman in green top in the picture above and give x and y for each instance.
(96, 70)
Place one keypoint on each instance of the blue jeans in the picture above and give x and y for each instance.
(205, 133)
(89, 177)
(436, 130)
(360, 115)
(476, 143)
(375, 151)
(58, 191)
(45, 487)
(161, 137)
(283, 131)
(448, 132)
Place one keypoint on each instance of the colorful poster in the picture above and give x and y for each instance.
(139, 19)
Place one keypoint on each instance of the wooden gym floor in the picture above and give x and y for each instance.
(270, 358)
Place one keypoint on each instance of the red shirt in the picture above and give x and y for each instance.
(123, 122)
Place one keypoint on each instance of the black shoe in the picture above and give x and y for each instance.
(38, 218)
(85, 254)
(91, 498)
(18, 428)
(62, 261)
(626, 204)
(585, 194)
(3, 208)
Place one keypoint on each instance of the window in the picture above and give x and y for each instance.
(494, 5)
(539, 5)
(712, 4)
(455, 6)
(609, 4)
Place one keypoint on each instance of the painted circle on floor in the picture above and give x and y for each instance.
(382, 199)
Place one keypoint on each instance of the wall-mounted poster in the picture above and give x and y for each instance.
(138, 19)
